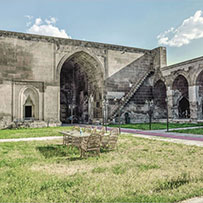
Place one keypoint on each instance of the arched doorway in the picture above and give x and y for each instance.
(29, 104)
(159, 94)
(81, 89)
(181, 106)
(127, 118)
(184, 108)
(199, 83)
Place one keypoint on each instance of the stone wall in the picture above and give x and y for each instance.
(34, 62)
(120, 83)
(137, 107)
(190, 70)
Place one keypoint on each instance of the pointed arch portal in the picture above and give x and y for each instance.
(199, 83)
(181, 103)
(81, 89)
(159, 94)
(29, 104)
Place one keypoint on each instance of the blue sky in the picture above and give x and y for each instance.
(135, 23)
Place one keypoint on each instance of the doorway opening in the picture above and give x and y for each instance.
(28, 112)
(184, 108)
(81, 90)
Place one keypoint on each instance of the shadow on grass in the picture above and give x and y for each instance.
(56, 151)
(71, 153)
(173, 183)
(105, 151)
(75, 158)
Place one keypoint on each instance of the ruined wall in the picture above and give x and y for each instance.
(35, 62)
(159, 96)
(190, 70)
(120, 83)
(118, 60)
(199, 88)
(137, 107)
(27, 63)
(6, 103)
(25, 60)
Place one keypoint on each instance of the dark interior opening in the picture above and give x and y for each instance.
(28, 112)
(127, 118)
(159, 93)
(184, 108)
(74, 94)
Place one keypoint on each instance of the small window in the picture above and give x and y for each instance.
(28, 112)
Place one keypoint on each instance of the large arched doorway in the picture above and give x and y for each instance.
(181, 106)
(199, 83)
(159, 94)
(81, 89)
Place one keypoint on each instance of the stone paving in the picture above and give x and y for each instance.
(30, 139)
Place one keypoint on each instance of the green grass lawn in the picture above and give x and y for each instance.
(191, 131)
(54, 131)
(31, 132)
(140, 170)
(157, 126)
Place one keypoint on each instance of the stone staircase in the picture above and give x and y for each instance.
(124, 100)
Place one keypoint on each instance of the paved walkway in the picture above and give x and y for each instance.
(178, 141)
(185, 128)
(30, 139)
(194, 200)
(165, 134)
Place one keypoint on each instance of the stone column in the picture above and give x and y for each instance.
(91, 107)
(193, 101)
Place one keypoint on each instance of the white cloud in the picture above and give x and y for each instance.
(190, 29)
(29, 20)
(38, 21)
(45, 27)
(29, 17)
(52, 20)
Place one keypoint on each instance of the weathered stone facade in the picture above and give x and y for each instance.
(52, 80)
(184, 89)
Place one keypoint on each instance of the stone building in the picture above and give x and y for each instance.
(48, 80)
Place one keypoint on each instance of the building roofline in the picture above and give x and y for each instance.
(66, 41)
(183, 63)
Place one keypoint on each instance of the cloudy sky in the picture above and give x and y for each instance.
(176, 24)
